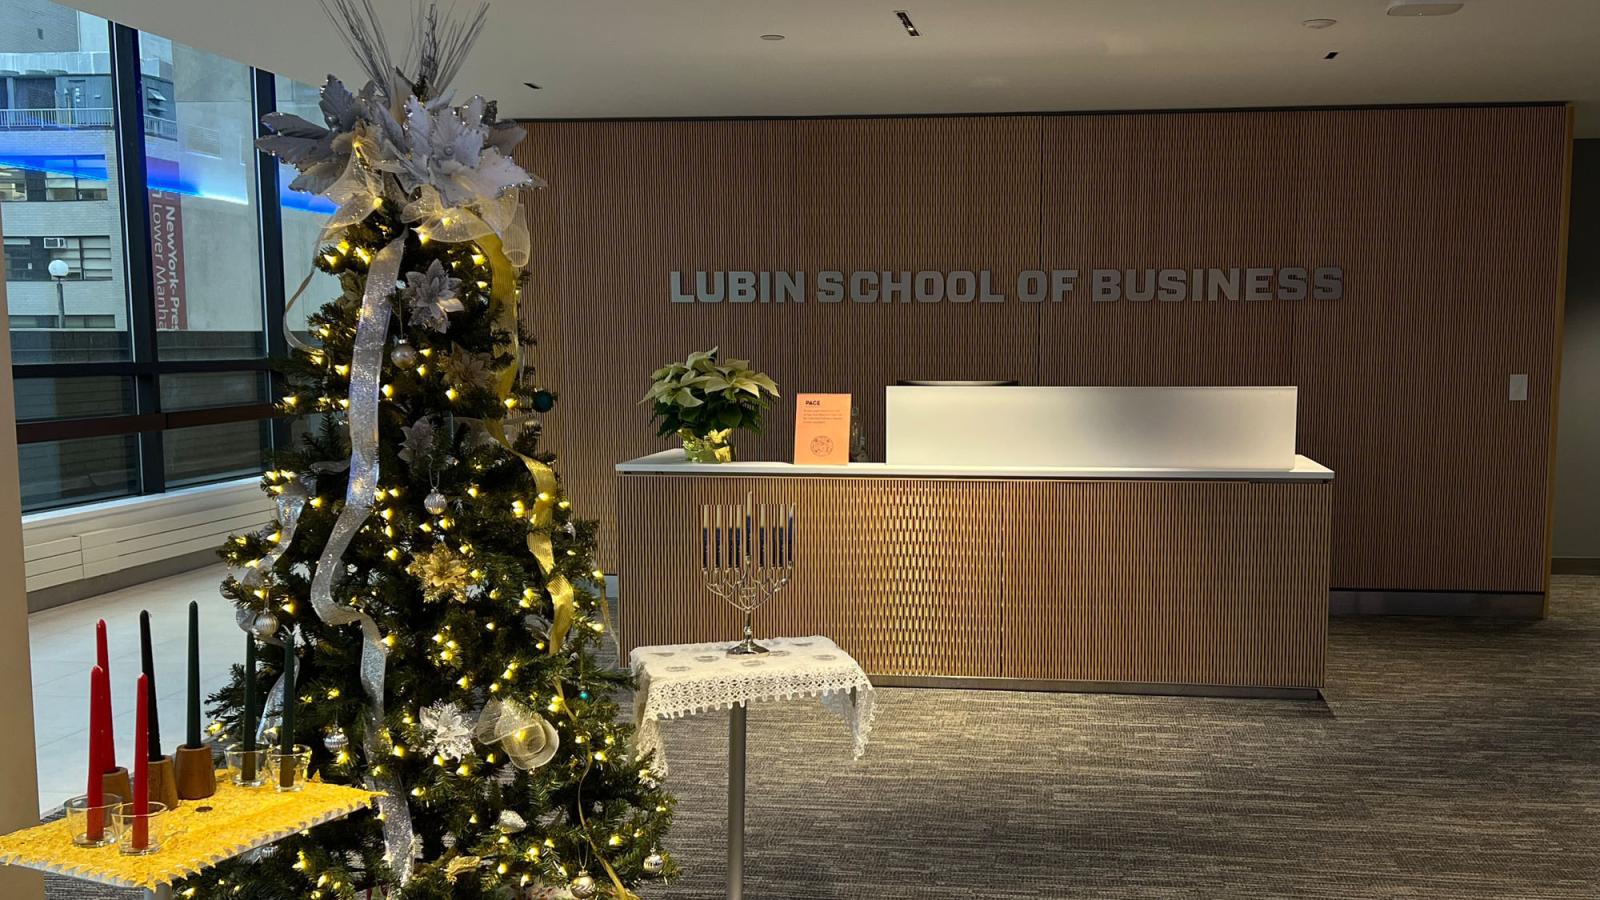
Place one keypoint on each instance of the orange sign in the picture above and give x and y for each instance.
(821, 429)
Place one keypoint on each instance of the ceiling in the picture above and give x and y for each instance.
(610, 58)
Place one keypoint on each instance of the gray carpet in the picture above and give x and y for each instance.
(1452, 759)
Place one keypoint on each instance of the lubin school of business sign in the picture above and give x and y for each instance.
(1247, 284)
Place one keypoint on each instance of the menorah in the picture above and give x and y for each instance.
(746, 562)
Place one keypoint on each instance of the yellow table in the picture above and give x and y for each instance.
(200, 834)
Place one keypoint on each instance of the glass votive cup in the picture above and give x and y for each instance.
(287, 771)
(247, 768)
(91, 826)
(156, 821)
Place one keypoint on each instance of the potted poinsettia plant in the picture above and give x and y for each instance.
(703, 401)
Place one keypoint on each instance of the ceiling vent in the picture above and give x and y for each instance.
(1423, 8)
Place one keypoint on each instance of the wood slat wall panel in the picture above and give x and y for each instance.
(1447, 222)
(1220, 583)
(1168, 582)
(907, 575)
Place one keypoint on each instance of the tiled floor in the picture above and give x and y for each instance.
(62, 647)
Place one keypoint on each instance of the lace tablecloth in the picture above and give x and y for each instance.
(678, 680)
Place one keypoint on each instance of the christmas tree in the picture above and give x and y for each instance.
(434, 583)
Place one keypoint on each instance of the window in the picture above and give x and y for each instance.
(304, 216)
(60, 187)
(140, 365)
(41, 399)
(62, 178)
(88, 257)
(13, 184)
(202, 189)
(214, 453)
(57, 473)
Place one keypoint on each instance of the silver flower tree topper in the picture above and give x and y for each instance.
(746, 561)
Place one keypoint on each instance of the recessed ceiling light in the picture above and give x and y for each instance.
(1331, 54)
(906, 23)
(1423, 8)
(1320, 23)
(532, 85)
(773, 37)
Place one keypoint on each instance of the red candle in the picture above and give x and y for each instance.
(141, 768)
(103, 660)
(95, 795)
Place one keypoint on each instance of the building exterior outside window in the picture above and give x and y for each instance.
(141, 309)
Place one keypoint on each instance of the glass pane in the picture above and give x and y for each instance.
(65, 285)
(214, 452)
(304, 216)
(73, 398)
(201, 390)
(60, 473)
(199, 133)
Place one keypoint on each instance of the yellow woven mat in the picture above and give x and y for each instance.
(238, 820)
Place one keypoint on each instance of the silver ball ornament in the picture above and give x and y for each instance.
(654, 863)
(583, 887)
(264, 625)
(335, 740)
(403, 355)
(435, 503)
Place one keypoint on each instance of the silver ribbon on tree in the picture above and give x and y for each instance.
(366, 370)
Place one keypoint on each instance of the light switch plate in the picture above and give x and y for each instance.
(1518, 389)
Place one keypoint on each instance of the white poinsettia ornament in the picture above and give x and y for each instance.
(445, 730)
(432, 296)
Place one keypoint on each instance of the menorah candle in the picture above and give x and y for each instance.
(103, 660)
(705, 540)
(777, 541)
(790, 535)
(141, 767)
(195, 740)
(148, 665)
(763, 552)
(749, 498)
(717, 543)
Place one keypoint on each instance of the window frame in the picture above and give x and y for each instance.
(145, 368)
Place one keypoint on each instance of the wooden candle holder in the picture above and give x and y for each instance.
(196, 773)
(164, 782)
(117, 782)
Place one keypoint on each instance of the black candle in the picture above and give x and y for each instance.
(195, 741)
(147, 659)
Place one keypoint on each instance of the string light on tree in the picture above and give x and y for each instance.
(464, 588)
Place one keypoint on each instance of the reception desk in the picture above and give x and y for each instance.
(1165, 580)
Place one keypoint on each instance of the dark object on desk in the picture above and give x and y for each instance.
(935, 383)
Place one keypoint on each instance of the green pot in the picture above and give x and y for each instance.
(708, 448)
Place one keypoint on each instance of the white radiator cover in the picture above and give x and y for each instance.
(63, 546)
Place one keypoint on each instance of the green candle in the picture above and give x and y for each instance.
(247, 763)
(286, 728)
(195, 741)
(249, 726)
(148, 661)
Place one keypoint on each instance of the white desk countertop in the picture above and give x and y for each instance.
(672, 462)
